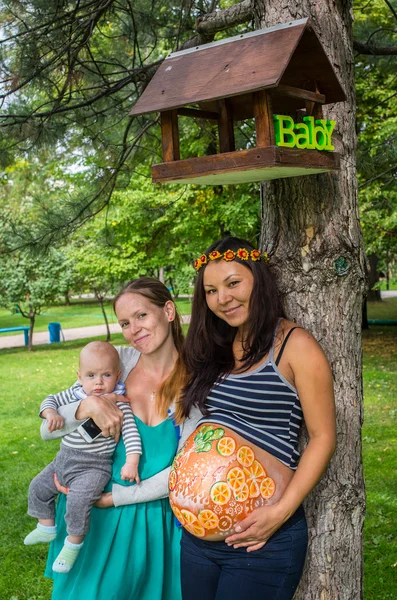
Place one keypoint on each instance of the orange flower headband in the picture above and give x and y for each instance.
(229, 255)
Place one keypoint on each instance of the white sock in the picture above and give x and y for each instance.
(42, 534)
(67, 557)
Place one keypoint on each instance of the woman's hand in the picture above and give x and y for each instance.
(61, 488)
(254, 531)
(105, 413)
(105, 501)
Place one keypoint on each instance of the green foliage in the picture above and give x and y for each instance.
(70, 75)
(27, 284)
(151, 227)
(376, 87)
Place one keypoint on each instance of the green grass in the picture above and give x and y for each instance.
(380, 462)
(385, 309)
(32, 375)
(392, 285)
(78, 314)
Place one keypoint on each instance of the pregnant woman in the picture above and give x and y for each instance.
(238, 483)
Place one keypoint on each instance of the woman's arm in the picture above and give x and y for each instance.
(314, 384)
(157, 486)
(102, 409)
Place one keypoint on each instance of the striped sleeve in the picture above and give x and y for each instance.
(131, 437)
(54, 401)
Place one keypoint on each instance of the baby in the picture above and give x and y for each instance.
(85, 468)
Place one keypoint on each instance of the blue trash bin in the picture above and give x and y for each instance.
(54, 329)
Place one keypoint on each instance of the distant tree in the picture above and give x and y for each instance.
(28, 285)
(93, 272)
(375, 77)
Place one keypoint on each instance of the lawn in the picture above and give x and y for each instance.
(385, 309)
(78, 314)
(32, 375)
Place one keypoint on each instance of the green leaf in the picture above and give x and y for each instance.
(204, 447)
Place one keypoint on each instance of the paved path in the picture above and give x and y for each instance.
(42, 337)
(77, 333)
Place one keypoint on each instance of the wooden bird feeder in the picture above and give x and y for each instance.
(279, 76)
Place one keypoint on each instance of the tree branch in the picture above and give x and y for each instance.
(365, 183)
(211, 23)
(374, 50)
(391, 8)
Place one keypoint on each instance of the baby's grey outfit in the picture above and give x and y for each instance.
(85, 468)
(84, 474)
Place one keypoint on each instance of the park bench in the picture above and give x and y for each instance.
(23, 328)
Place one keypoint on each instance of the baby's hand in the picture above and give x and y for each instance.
(129, 472)
(54, 420)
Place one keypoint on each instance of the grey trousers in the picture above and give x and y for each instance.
(84, 474)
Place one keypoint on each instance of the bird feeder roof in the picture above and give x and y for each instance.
(288, 54)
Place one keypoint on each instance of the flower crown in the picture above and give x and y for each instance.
(242, 254)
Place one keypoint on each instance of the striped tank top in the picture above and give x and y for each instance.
(261, 406)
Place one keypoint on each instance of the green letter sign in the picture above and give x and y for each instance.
(310, 135)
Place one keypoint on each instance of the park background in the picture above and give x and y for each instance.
(80, 216)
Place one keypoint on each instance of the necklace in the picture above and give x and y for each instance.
(152, 396)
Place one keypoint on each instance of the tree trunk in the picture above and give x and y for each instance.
(310, 227)
(373, 295)
(100, 300)
(365, 324)
(32, 317)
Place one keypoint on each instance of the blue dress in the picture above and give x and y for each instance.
(131, 552)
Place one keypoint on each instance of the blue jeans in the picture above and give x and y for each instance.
(215, 571)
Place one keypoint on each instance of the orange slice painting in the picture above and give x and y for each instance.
(242, 494)
(245, 456)
(172, 480)
(226, 446)
(267, 488)
(220, 493)
(235, 478)
(208, 519)
(254, 474)
(192, 524)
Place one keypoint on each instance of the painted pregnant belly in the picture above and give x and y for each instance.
(216, 480)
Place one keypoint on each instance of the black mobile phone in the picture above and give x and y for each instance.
(89, 430)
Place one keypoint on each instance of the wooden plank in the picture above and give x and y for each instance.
(263, 115)
(197, 113)
(293, 92)
(310, 61)
(314, 109)
(249, 175)
(244, 160)
(225, 126)
(243, 65)
(170, 135)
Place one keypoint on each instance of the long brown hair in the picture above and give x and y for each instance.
(209, 342)
(158, 294)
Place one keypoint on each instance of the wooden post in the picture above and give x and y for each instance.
(170, 135)
(263, 119)
(314, 109)
(225, 126)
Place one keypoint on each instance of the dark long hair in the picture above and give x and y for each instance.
(158, 294)
(209, 343)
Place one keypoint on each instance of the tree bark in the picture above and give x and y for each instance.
(373, 295)
(100, 299)
(310, 228)
(32, 317)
